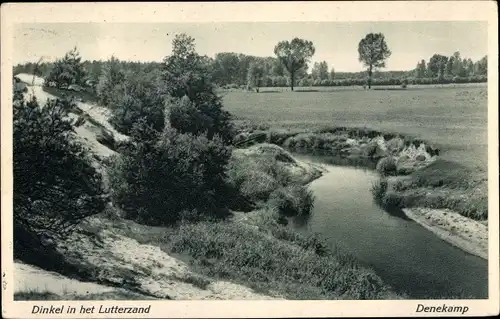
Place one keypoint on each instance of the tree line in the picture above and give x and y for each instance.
(289, 67)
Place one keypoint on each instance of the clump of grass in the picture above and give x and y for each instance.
(36, 295)
(296, 200)
(379, 189)
(387, 166)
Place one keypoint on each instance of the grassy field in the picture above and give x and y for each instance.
(453, 117)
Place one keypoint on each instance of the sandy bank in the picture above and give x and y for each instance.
(462, 232)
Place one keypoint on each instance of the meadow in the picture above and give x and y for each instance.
(452, 118)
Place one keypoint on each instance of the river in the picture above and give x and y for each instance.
(404, 254)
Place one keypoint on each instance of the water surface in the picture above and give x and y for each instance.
(406, 255)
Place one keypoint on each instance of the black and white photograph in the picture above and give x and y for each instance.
(148, 162)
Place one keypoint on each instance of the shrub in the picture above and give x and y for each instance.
(379, 189)
(167, 173)
(138, 97)
(295, 200)
(55, 183)
(387, 166)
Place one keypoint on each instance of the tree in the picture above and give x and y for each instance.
(186, 73)
(373, 51)
(331, 76)
(226, 68)
(112, 75)
(138, 96)
(55, 182)
(482, 66)
(437, 65)
(255, 76)
(421, 69)
(458, 65)
(68, 70)
(320, 71)
(294, 55)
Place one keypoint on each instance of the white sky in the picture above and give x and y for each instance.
(335, 42)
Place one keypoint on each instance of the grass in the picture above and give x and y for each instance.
(442, 184)
(48, 295)
(453, 117)
(273, 259)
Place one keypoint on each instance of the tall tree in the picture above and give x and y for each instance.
(437, 65)
(373, 51)
(421, 69)
(482, 66)
(294, 55)
(68, 70)
(226, 68)
(187, 74)
(320, 70)
(331, 76)
(112, 75)
(256, 74)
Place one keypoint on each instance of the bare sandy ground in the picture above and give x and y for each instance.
(462, 232)
(123, 262)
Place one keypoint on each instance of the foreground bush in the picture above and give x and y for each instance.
(55, 184)
(167, 175)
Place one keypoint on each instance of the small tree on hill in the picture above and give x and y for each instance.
(294, 56)
(68, 70)
(373, 51)
(55, 183)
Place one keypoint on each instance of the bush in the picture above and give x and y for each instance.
(202, 117)
(169, 173)
(295, 200)
(387, 166)
(138, 97)
(379, 189)
(55, 183)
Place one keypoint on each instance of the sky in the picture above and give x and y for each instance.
(335, 42)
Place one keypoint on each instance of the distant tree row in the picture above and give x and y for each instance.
(440, 66)
(289, 67)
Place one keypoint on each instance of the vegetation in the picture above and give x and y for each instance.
(180, 169)
(373, 51)
(169, 176)
(387, 166)
(294, 55)
(67, 71)
(55, 182)
(284, 264)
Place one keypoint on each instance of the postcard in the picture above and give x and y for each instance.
(250, 159)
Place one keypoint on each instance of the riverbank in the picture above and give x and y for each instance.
(462, 232)
(445, 197)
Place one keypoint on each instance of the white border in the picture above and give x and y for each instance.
(240, 12)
